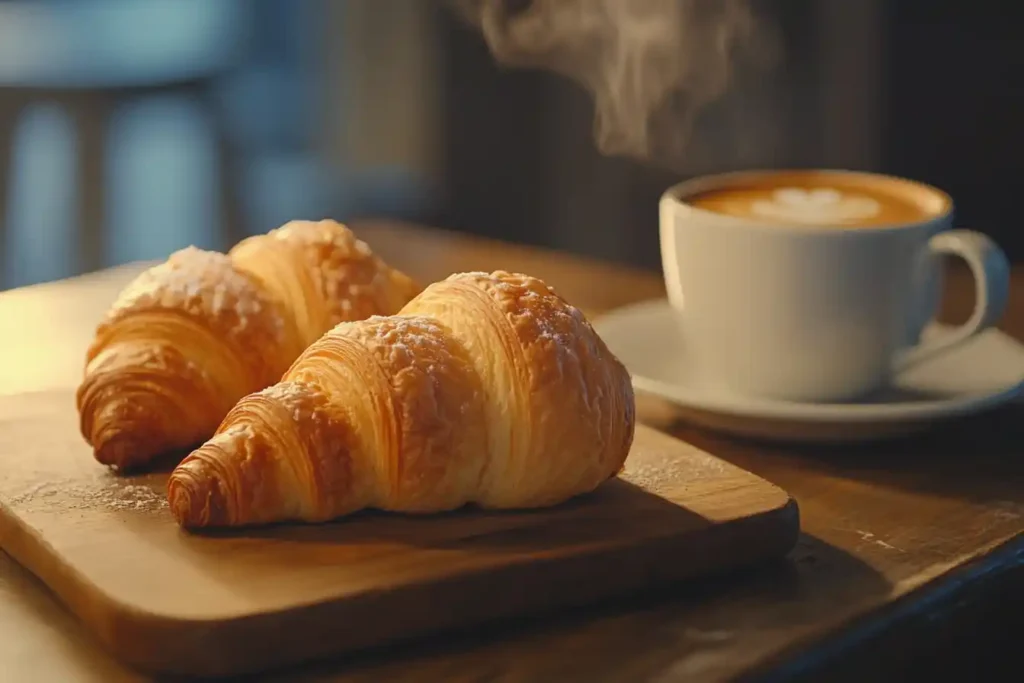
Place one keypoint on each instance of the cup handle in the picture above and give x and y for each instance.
(991, 271)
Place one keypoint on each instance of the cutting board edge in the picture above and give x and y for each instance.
(125, 630)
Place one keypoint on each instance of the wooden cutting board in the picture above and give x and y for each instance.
(168, 601)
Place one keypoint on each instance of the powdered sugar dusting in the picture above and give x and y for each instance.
(296, 397)
(105, 491)
(405, 331)
(659, 472)
(201, 283)
(353, 282)
(418, 352)
(414, 342)
(557, 324)
(539, 315)
(531, 301)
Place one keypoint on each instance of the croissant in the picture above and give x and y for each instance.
(189, 337)
(484, 389)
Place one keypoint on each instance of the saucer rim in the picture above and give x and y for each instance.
(774, 409)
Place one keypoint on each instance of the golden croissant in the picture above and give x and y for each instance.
(484, 389)
(189, 337)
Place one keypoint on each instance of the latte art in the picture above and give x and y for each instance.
(824, 199)
(823, 205)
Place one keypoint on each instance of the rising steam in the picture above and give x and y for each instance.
(651, 65)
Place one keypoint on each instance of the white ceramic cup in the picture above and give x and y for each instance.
(802, 311)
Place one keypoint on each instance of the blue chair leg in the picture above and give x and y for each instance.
(163, 178)
(41, 229)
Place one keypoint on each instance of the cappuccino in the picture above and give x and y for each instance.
(824, 198)
(817, 284)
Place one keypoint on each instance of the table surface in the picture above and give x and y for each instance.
(912, 550)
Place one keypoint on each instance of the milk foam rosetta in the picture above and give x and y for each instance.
(820, 205)
(807, 203)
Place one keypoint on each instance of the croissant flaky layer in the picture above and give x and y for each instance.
(191, 336)
(486, 388)
(325, 274)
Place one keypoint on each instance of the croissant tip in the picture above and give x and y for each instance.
(196, 496)
(124, 452)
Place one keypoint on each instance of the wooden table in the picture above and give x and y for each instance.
(912, 556)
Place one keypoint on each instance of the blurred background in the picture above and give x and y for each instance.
(129, 128)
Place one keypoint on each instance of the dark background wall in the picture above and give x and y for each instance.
(953, 106)
(929, 90)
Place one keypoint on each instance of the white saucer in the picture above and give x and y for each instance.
(982, 373)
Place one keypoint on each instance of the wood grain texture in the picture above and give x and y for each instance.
(169, 601)
(942, 603)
